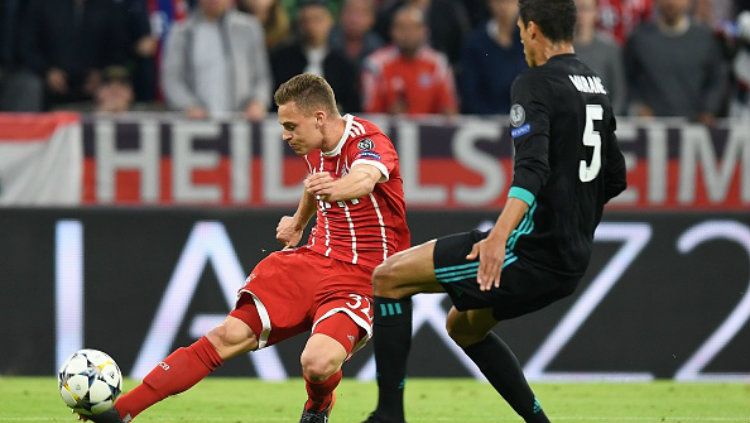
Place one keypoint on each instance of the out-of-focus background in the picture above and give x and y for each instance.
(142, 172)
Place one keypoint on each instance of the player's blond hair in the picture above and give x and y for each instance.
(309, 92)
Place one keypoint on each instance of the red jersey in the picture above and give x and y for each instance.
(620, 17)
(419, 85)
(363, 231)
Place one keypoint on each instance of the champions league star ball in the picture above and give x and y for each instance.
(89, 382)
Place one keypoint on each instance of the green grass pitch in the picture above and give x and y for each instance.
(239, 400)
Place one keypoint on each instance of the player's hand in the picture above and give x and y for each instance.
(288, 232)
(321, 185)
(491, 254)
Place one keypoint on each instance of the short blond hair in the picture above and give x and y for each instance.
(308, 91)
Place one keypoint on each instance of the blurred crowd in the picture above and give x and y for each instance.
(210, 58)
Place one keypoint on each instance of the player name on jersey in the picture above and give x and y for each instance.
(588, 84)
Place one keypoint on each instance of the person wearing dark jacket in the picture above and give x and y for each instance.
(68, 42)
(312, 53)
(491, 60)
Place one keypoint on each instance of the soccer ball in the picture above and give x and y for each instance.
(89, 382)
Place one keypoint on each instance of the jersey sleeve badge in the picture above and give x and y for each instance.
(517, 115)
(366, 144)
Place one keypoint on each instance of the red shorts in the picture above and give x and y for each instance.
(294, 290)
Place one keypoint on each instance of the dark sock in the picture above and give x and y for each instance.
(501, 367)
(392, 339)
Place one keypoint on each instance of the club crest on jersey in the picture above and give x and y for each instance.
(366, 144)
(517, 115)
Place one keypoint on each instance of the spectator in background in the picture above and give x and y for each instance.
(162, 15)
(20, 89)
(713, 13)
(619, 18)
(447, 21)
(477, 11)
(491, 60)
(115, 93)
(675, 66)
(601, 53)
(68, 42)
(143, 47)
(216, 62)
(312, 53)
(274, 18)
(354, 36)
(293, 6)
(409, 76)
(740, 99)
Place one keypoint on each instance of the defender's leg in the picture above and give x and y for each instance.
(407, 273)
(395, 281)
(472, 331)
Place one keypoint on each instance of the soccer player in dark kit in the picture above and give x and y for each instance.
(567, 165)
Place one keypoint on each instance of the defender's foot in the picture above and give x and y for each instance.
(375, 418)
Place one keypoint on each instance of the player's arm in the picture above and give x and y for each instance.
(491, 250)
(530, 120)
(360, 181)
(531, 171)
(615, 180)
(290, 228)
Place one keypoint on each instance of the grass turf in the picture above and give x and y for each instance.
(235, 400)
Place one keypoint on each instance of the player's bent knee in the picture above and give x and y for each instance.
(460, 331)
(384, 279)
(319, 365)
(232, 337)
(380, 279)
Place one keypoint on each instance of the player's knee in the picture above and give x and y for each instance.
(460, 331)
(318, 366)
(384, 281)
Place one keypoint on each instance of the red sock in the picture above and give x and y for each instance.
(182, 369)
(320, 394)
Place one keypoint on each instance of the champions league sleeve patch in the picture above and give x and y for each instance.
(366, 144)
(368, 155)
(517, 115)
(519, 132)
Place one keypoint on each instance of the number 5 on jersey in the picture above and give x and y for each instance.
(591, 138)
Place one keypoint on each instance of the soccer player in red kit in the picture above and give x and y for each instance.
(355, 187)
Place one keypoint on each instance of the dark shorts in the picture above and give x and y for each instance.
(523, 288)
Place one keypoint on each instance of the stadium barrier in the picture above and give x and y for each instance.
(162, 159)
(666, 295)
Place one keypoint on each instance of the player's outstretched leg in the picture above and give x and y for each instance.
(186, 366)
(321, 367)
(394, 282)
(471, 330)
